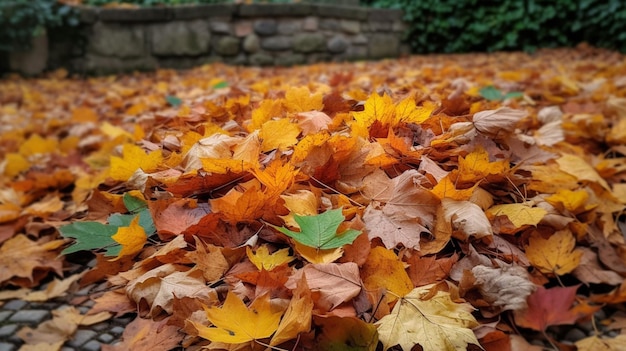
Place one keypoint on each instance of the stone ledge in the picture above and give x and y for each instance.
(260, 10)
(136, 15)
(385, 15)
(185, 12)
(341, 11)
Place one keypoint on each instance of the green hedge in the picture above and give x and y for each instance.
(475, 25)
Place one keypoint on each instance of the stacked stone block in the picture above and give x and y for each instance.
(254, 34)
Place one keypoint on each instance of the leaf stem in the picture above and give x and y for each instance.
(545, 335)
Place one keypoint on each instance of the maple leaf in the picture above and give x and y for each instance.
(520, 215)
(132, 238)
(345, 333)
(300, 99)
(335, 282)
(145, 335)
(158, 287)
(320, 231)
(547, 307)
(278, 134)
(134, 158)
(554, 255)
(297, 318)
(64, 323)
(20, 257)
(383, 269)
(234, 323)
(262, 258)
(433, 321)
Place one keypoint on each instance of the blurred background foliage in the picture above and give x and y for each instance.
(483, 26)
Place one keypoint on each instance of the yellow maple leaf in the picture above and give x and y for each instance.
(38, 145)
(554, 255)
(302, 202)
(447, 189)
(300, 99)
(267, 109)
(133, 158)
(406, 111)
(383, 269)
(15, 164)
(433, 321)
(262, 258)
(132, 238)
(223, 166)
(234, 323)
(519, 214)
(572, 201)
(316, 255)
(278, 134)
(476, 166)
(377, 108)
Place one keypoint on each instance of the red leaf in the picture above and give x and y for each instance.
(547, 307)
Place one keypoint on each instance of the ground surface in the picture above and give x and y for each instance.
(447, 201)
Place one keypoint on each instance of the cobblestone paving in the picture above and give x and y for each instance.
(16, 314)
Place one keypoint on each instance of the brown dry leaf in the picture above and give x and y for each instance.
(158, 287)
(590, 271)
(20, 257)
(61, 327)
(54, 289)
(147, 335)
(335, 282)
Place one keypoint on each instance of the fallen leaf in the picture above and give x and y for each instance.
(467, 219)
(134, 158)
(20, 257)
(555, 255)
(383, 269)
(145, 335)
(297, 317)
(498, 123)
(234, 323)
(262, 258)
(594, 343)
(320, 231)
(132, 238)
(335, 282)
(505, 288)
(431, 320)
(344, 333)
(548, 307)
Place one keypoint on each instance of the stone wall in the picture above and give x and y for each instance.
(117, 40)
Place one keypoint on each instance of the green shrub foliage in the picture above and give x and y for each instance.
(476, 25)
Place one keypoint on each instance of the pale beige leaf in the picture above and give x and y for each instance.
(498, 122)
(433, 321)
(392, 231)
(467, 219)
(505, 288)
(157, 287)
(594, 343)
(590, 271)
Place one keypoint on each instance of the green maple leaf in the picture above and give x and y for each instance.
(320, 231)
(95, 235)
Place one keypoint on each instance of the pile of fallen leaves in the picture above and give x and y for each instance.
(439, 201)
